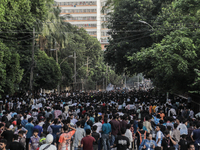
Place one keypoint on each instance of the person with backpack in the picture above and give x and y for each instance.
(140, 134)
(48, 145)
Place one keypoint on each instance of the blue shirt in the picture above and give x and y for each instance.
(92, 119)
(86, 126)
(39, 128)
(148, 144)
(24, 122)
(156, 120)
(13, 114)
(106, 128)
(29, 127)
(56, 129)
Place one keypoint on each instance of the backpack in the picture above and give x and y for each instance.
(142, 136)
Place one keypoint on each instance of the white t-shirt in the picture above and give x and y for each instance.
(51, 147)
(159, 135)
(99, 126)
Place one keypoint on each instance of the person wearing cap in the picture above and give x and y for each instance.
(48, 145)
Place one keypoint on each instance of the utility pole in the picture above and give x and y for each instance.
(58, 87)
(74, 69)
(87, 65)
(106, 75)
(103, 84)
(33, 62)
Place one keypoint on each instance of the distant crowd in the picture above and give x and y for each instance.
(122, 120)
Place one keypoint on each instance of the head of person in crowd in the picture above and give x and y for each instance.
(149, 136)
(140, 125)
(191, 146)
(88, 132)
(123, 131)
(30, 120)
(3, 143)
(166, 134)
(15, 137)
(128, 126)
(158, 127)
(78, 124)
(49, 139)
(35, 132)
(94, 128)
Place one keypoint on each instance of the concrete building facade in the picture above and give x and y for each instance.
(86, 14)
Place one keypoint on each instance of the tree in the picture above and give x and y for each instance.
(129, 33)
(172, 60)
(47, 72)
(10, 71)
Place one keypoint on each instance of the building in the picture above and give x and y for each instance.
(86, 14)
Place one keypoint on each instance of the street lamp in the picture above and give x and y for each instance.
(146, 23)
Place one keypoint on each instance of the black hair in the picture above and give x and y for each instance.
(128, 126)
(3, 141)
(30, 119)
(78, 123)
(15, 137)
(140, 125)
(94, 128)
(166, 132)
(87, 131)
(36, 122)
(65, 128)
(55, 121)
(175, 125)
(123, 130)
(36, 130)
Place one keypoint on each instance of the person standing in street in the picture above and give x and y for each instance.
(65, 138)
(195, 136)
(29, 126)
(106, 130)
(3, 143)
(16, 145)
(79, 134)
(48, 145)
(122, 142)
(87, 142)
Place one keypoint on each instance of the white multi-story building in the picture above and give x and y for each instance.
(86, 14)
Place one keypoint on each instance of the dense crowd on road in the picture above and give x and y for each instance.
(142, 120)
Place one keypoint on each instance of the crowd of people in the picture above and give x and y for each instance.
(122, 120)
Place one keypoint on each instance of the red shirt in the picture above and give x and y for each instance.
(87, 142)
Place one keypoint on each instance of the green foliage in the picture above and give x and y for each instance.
(128, 33)
(10, 71)
(47, 72)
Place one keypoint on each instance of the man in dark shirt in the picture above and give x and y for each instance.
(3, 144)
(167, 142)
(140, 134)
(87, 142)
(8, 135)
(96, 137)
(15, 145)
(115, 126)
(122, 142)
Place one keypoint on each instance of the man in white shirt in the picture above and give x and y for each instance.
(159, 136)
(172, 112)
(98, 124)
